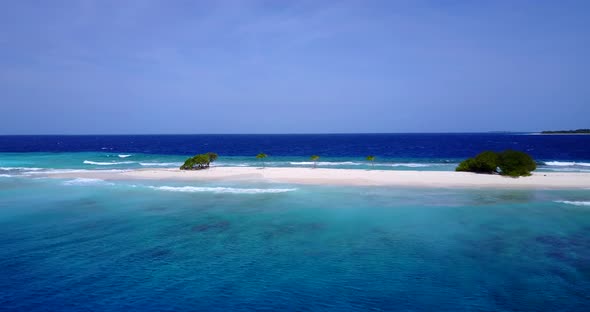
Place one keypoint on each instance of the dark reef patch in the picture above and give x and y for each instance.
(216, 226)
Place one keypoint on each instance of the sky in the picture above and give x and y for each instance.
(127, 67)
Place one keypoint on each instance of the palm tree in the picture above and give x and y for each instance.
(262, 156)
(315, 158)
(371, 158)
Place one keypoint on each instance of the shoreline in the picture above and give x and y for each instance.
(347, 177)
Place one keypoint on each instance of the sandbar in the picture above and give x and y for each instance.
(352, 177)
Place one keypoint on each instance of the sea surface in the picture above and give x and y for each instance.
(141, 245)
(392, 151)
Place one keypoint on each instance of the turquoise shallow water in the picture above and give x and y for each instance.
(113, 161)
(18, 163)
(153, 246)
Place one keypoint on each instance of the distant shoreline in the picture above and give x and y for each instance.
(577, 131)
(350, 177)
(565, 133)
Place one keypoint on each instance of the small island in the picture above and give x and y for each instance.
(578, 131)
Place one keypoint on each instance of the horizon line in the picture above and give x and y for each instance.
(284, 133)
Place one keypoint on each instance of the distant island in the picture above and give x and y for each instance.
(578, 131)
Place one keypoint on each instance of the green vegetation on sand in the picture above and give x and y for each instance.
(315, 159)
(200, 161)
(371, 158)
(509, 163)
(262, 156)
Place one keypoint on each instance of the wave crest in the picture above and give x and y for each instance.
(575, 203)
(566, 163)
(327, 163)
(86, 181)
(351, 163)
(124, 155)
(412, 165)
(21, 168)
(567, 169)
(99, 163)
(155, 164)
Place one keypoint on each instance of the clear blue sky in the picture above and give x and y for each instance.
(293, 66)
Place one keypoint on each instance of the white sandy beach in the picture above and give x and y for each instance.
(541, 180)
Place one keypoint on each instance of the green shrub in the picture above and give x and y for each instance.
(201, 161)
(486, 162)
(188, 164)
(212, 156)
(466, 165)
(511, 163)
(515, 163)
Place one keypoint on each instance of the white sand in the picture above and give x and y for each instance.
(541, 180)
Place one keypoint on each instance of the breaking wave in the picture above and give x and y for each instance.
(20, 168)
(327, 163)
(350, 163)
(85, 181)
(195, 189)
(567, 169)
(155, 164)
(59, 171)
(575, 203)
(566, 163)
(98, 163)
(413, 165)
(124, 155)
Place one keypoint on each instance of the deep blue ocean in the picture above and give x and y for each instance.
(148, 245)
(392, 151)
(433, 146)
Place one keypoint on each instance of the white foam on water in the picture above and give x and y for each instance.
(86, 181)
(124, 155)
(567, 169)
(55, 171)
(566, 163)
(98, 163)
(411, 165)
(21, 168)
(327, 163)
(155, 164)
(5, 176)
(350, 163)
(238, 164)
(559, 163)
(59, 171)
(575, 203)
(231, 190)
